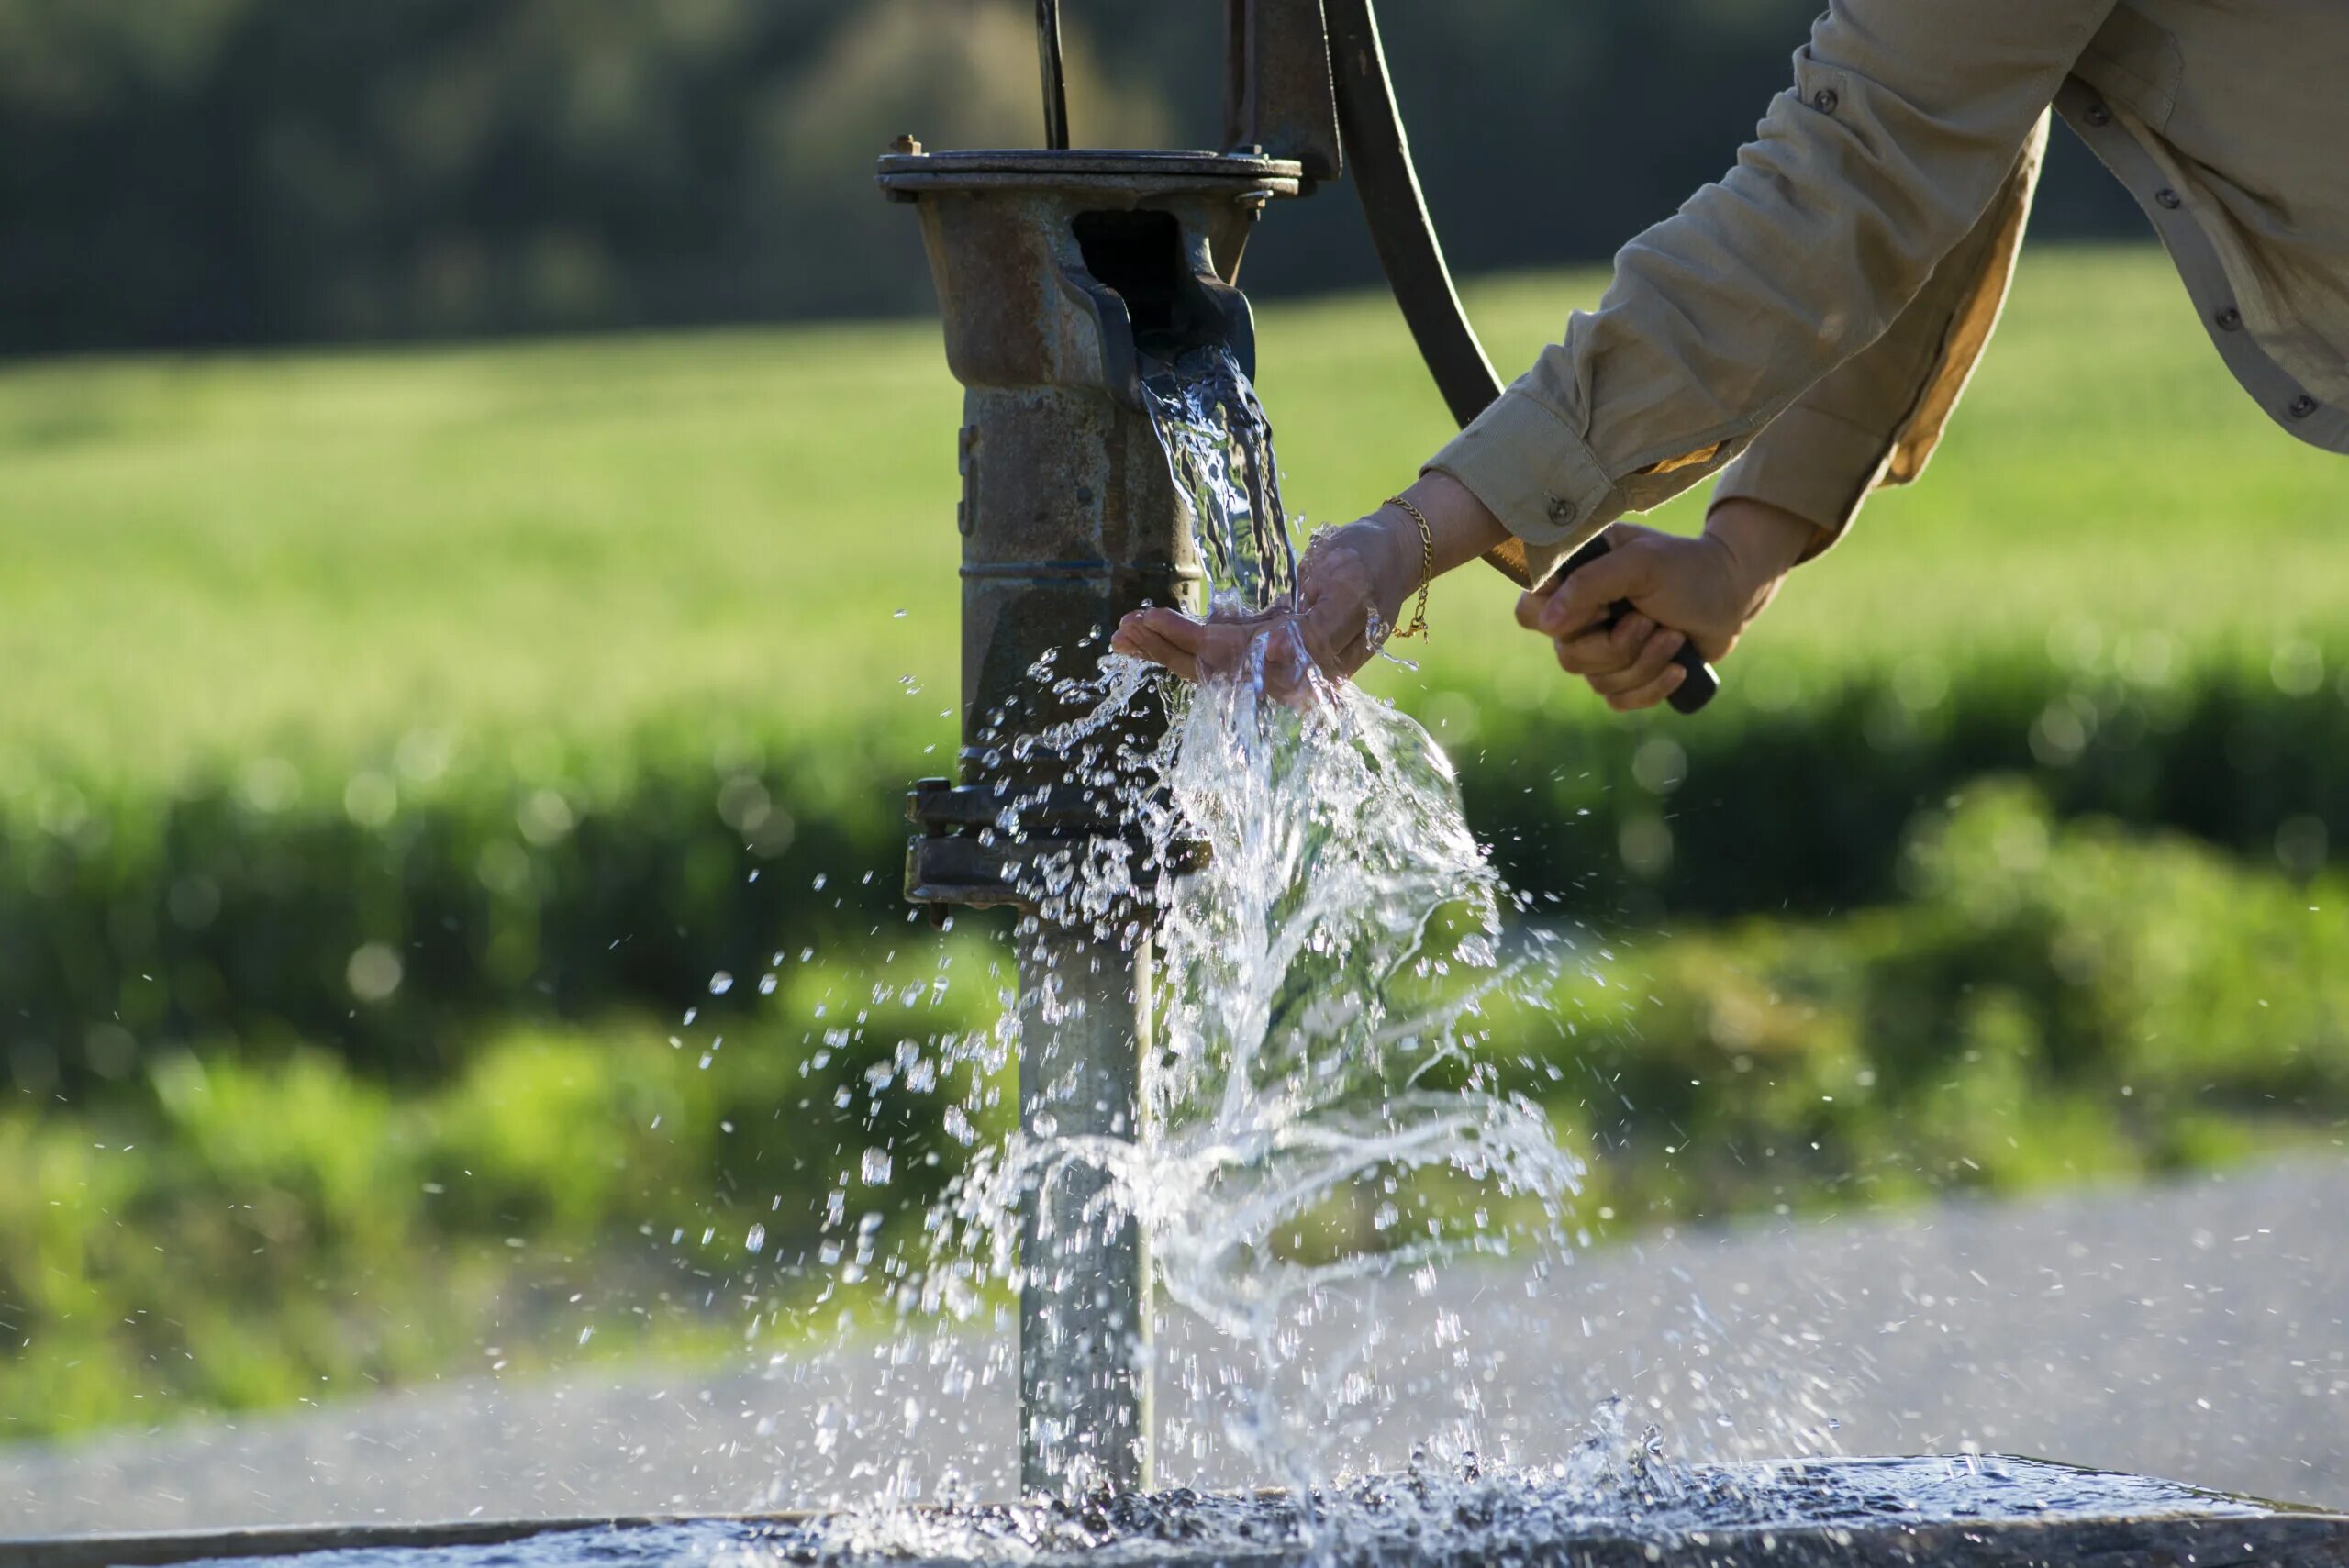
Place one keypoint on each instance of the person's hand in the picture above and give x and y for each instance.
(1705, 590)
(1351, 586)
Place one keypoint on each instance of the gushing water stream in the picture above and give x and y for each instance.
(1316, 1109)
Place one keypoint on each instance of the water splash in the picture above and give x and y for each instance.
(1592, 1505)
(1316, 1110)
(1330, 1137)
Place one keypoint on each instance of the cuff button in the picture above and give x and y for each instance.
(2230, 319)
(1560, 510)
(1826, 100)
(2169, 199)
(2302, 406)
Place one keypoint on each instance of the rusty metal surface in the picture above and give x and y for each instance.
(1084, 1324)
(2200, 1529)
(1049, 267)
(961, 856)
(158, 1550)
(1278, 95)
(1038, 168)
(937, 805)
(1022, 308)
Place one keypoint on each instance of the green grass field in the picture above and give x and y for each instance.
(226, 558)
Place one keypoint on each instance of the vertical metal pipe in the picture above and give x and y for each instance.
(1085, 1332)
(1048, 48)
(1069, 519)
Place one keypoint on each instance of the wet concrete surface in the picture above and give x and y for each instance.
(1986, 1512)
(2198, 1331)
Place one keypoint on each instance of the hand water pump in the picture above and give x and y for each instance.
(1051, 266)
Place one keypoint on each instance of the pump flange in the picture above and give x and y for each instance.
(964, 858)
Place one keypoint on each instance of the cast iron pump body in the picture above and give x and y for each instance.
(1052, 269)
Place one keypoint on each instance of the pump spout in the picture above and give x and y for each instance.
(1153, 293)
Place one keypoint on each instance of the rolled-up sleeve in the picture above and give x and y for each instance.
(1906, 121)
(1874, 420)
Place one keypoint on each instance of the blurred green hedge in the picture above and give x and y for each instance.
(2055, 1001)
(232, 1235)
(391, 918)
(2052, 1000)
(390, 922)
(1795, 800)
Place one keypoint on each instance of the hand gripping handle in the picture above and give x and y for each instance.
(1693, 693)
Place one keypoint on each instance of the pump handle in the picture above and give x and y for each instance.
(1370, 128)
(1702, 682)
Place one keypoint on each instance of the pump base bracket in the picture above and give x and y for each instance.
(964, 858)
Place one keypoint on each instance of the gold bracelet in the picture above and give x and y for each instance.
(1419, 627)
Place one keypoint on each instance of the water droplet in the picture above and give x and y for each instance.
(374, 972)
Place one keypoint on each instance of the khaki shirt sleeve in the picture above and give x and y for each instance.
(1873, 421)
(1906, 118)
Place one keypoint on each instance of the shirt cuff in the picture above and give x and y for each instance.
(1530, 470)
(1815, 465)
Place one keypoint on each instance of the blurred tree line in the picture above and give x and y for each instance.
(193, 171)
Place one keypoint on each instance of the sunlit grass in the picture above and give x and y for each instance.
(314, 554)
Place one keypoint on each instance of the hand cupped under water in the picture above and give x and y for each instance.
(1351, 588)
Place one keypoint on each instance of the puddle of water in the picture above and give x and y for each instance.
(1732, 1513)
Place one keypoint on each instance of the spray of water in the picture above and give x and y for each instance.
(1327, 1142)
(1317, 1112)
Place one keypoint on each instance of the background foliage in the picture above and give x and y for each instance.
(210, 171)
(398, 744)
(449, 824)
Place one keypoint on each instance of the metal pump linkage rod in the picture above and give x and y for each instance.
(1055, 73)
(1371, 128)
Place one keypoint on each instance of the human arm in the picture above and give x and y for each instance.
(1908, 126)
(1871, 423)
(1906, 121)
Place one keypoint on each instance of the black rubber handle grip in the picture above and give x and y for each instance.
(1702, 681)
